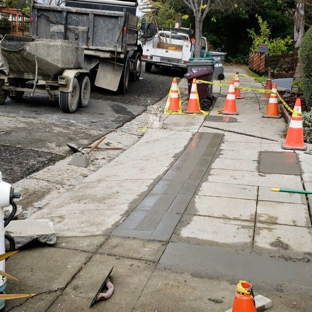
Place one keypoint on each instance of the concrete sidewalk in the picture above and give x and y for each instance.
(182, 214)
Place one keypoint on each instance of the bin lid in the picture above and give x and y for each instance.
(216, 53)
(201, 59)
(198, 73)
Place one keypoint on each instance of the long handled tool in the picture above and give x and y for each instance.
(275, 189)
(81, 159)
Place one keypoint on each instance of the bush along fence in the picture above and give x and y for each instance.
(281, 66)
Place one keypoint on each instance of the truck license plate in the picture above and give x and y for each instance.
(156, 58)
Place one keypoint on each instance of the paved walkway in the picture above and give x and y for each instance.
(181, 215)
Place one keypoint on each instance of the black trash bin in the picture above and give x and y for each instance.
(204, 90)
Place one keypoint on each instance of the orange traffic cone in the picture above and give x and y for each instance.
(174, 104)
(230, 102)
(268, 86)
(272, 108)
(193, 105)
(236, 86)
(244, 298)
(297, 106)
(294, 137)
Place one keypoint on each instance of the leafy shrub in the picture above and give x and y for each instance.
(306, 63)
(307, 126)
(276, 46)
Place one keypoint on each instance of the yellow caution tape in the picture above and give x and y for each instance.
(294, 112)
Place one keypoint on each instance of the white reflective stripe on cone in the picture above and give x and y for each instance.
(295, 124)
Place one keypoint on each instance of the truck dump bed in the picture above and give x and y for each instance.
(106, 33)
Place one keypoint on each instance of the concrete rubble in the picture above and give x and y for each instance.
(26, 231)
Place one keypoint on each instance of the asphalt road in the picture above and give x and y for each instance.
(34, 131)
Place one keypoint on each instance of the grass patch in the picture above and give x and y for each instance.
(256, 76)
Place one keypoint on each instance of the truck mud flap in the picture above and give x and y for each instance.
(108, 75)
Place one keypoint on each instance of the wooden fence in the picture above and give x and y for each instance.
(261, 63)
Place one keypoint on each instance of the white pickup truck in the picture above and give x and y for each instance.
(168, 47)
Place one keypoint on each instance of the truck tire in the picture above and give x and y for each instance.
(69, 101)
(124, 81)
(3, 93)
(135, 76)
(148, 67)
(85, 90)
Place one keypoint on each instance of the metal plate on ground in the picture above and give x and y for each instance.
(221, 119)
(279, 163)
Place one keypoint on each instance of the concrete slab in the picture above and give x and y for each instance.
(253, 178)
(41, 302)
(51, 268)
(305, 161)
(279, 163)
(264, 271)
(307, 177)
(283, 237)
(133, 248)
(216, 231)
(85, 243)
(165, 146)
(265, 194)
(238, 155)
(236, 146)
(26, 231)
(224, 163)
(283, 213)
(228, 190)
(233, 137)
(83, 219)
(185, 122)
(226, 208)
(129, 278)
(69, 302)
(167, 291)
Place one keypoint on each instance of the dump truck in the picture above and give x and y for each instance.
(72, 47)
(167, 47)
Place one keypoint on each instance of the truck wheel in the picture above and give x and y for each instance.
(18, 95)
(68, 101)
(85, 90)
(138, 67)
(124, 81)
(148, 67)
(3, 94)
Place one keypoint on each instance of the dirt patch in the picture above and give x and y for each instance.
(26, 162)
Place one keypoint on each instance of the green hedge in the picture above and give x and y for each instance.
(306, 63)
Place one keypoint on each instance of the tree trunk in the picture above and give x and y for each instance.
(299, 21)
(198, 35)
